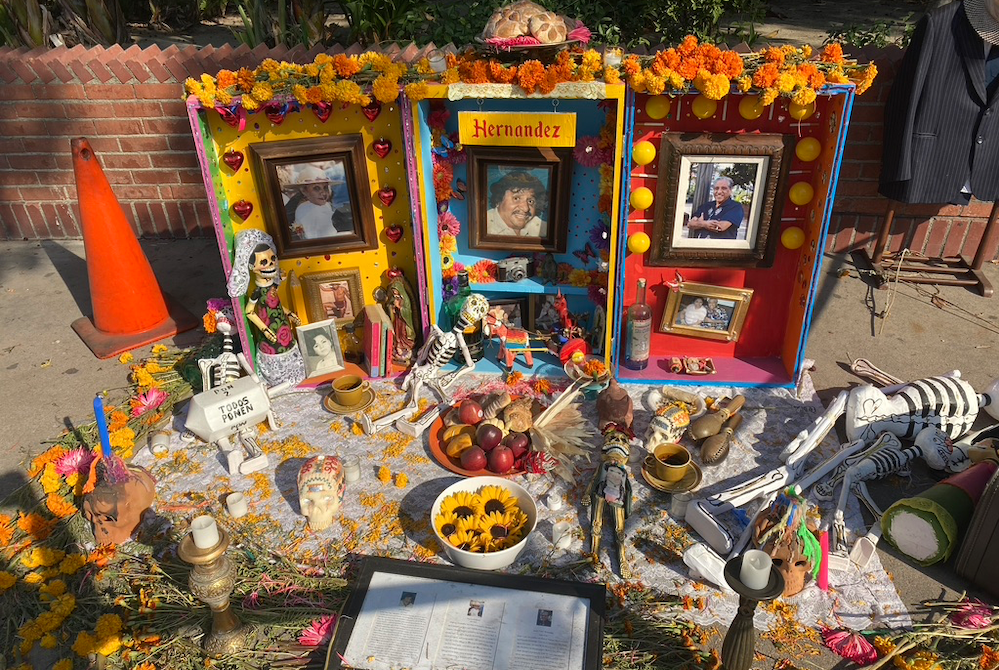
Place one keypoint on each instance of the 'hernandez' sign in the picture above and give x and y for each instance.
(505, 129)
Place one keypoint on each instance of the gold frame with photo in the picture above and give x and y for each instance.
(312, 283)
(740, 296)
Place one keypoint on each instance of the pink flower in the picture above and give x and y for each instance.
(973, 614)
(318, 632)
(262, 315)
(266, 348)
(284, 336)
(149, 400)
(75, 462)
(580, 32)
(272, 299)
(448, 224)
(251, 601)
(850, 645)
(217, 304)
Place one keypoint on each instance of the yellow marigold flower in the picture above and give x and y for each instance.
(417, 91)
(270, 65)
(66, 664)
(49, 641)
(385, 89)
(262, 91)
(56, 587)
(806, 50)
(312, 70)
(72, 563)
(654, 84)
(401, 480)
(384, 475)
(579, 277)
(141, 377)
(108, 646)
(612, 75)
(804, 96)
(745, 83)
(448, 245)
(126, 357)
(7, 580)
(30, 631)
(884, 645)
(123, 440)
(869, 75)
(108, 625)
(26, 648)
(250, 104)
(64, 605)
(84, 645)
(450, 76)
(33, 578)
(48, 621)
(300, 93)
(223, 97)
(785, 82)
(637, 82)
(768, 96)
(59, 506)
(423, 66)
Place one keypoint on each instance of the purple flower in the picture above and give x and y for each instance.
(217, 304)
(588, 153)
(600, 236)
(450, 288)
(597, 294)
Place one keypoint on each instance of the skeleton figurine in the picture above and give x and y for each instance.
(224, 368)
(610, 486)
(320, 490)
(435, 353)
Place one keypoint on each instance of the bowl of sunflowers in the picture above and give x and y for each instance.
(483, 522)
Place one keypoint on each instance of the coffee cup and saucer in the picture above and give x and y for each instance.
(350, 394)
(670, 469)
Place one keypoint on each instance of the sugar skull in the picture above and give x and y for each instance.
(320, 490)
(115, 510)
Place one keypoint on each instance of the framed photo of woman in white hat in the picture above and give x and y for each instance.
(312, 196)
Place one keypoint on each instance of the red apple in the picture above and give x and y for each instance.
(518, 444)
(473, 459)
(501, 460)
(470, 412)
(488, 436)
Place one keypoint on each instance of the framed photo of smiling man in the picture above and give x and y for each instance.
(519, 198)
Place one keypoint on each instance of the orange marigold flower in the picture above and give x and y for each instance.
(773, 55)
(35, 525)
(729, 64)
(630, 66)
(542, 386)
(688, 46)
(384, 475)
(514, 378)
(530, 75)
(832, 53)
(766, 76)
(51, 455)
(346, 66)
(59, 506)
(501, 74)
(118, 420)
(245, 79)
(210, 322)
(314, 95)
(225, 78)
(102, 555)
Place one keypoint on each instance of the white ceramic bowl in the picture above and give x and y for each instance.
(496, 559)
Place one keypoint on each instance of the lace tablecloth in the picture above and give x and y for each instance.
(384, 519)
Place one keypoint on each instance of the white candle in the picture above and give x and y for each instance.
(351, 469)
(755, 572)
(554, 501)
(561, 535)
(236, 504)
(160, 442)
(438, 62)
(205, 532)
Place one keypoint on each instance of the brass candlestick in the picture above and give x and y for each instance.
(211, 582)
(739, 644)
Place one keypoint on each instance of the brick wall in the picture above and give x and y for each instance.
(127, 102)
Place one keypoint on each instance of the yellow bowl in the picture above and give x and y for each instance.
(493, 560)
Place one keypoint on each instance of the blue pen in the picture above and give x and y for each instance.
(102, 426)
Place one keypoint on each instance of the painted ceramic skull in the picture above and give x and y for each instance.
(667, 424)
(320, 490)
(263, 264)
(115, 510)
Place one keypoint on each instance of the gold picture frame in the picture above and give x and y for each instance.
(689, 311)
(334, 294)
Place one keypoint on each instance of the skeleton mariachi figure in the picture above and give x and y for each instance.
(435, 353)
(611, 487)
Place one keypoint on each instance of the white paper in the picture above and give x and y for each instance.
(425, 624)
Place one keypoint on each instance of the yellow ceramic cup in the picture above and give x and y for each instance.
(349, 390)
(669, 462)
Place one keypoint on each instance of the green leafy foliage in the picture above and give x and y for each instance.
(879, 34)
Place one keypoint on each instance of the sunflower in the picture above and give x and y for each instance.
(467, 541)
(446, 524)
(501, 530)
(496, 499)
(463, 504)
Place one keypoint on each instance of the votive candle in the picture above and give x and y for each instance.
(205, 532)
(236, 504)
(755, 572)
(351, 469)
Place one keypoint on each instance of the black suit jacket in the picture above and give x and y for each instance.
(940, 124)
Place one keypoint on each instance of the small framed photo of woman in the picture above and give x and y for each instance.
(320, 346)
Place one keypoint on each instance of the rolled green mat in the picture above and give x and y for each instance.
(928, 527)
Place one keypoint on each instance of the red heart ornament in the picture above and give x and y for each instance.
(372, 110)
(394, 233)
(387, 195)
(382, 147)
(243, 208)
(234, 159)
(322, 111)
(275, 113)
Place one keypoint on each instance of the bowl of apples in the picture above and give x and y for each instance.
(470, 445)
(483, 522)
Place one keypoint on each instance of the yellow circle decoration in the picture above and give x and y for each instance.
(641, 198)
(657, 107)
(639, 243)
(808, 149)
(793, 237)
(800, 112)
(703, 108)
(643, 153)
(802, 193)
(750, 107)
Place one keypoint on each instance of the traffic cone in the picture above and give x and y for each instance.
(130, 310)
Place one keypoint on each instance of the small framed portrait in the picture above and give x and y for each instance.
(706, 311)
(544, 315)
(520, 196)
(718, 197)
(320, 346)
(512, 312)
(335, 294)
(407, 599)
(545, 618)
(315, 194)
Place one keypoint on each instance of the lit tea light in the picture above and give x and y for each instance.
(351, 468)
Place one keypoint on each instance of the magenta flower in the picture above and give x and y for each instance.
(76, 462)
(149, 400)
(251, 601)
(448, 224)
(587, 152)
(973, 614)
(318, 632)
(850, 645)
(262, 314)
(217, 304)
(272, 299)
(580, 32)
(284, 336)
(266, 348)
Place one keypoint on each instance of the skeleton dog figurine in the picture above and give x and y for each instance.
(439, 348)
(610, 486)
